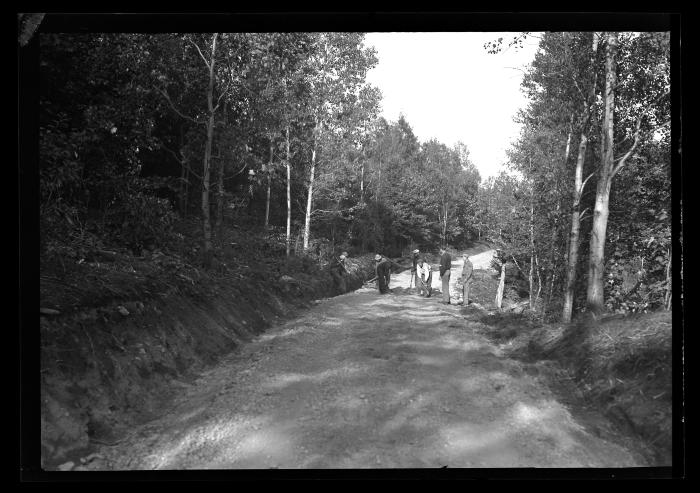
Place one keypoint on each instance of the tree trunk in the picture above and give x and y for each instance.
(444, 225)
(595, 295)
(186, 204)
(550, 292)
(220, 200)
(220, 191)
(501, 286)
(574, 234)
(269, 185)
(531, 277)
(539, 281)
(184, 176)
(532, 241)
(181, 198)
(206, 219)
(595, 298)
(309, 199)
(667, 295)
(289, 194)
(555, 230)
(362, 183)
(379, 181)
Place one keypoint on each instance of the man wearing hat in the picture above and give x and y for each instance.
(383, 271)
(338, 271)
(466, 279)
(414, 275)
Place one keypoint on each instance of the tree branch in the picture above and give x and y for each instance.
(236, 173)
(583, 185)
(190, 170)
(583, 97)
(200, 52)
(223, 93)
(516, 264)
(187, 167)
(180, 159)
(321, 211)
(167, 98)
(623, 159)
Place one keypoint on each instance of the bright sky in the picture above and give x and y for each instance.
(449, 87)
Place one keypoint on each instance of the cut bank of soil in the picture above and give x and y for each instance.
(367, 381)
(107, 366)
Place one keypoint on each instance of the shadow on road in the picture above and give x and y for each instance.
(365, 381)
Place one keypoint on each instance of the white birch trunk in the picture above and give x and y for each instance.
(667, 296)
(309, 199)
(574, 234)
(269, 185)
(501, 286)
(289, 194)
(595, 298)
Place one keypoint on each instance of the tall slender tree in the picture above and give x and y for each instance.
(579, 182)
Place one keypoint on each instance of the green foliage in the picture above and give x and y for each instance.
(640, 241)
(122, 138)
(638, 236)
(140, 220)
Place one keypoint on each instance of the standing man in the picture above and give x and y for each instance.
(466, 279)
(445, 266)
(383, 271)
(424, 276)
(338, 271)
(251, 184)
(414, 275)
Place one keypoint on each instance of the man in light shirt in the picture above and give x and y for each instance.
(414, 277)
(424, 276)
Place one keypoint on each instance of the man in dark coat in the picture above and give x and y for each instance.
(338, 271)
(383, 271)
(445, 266)
(466, 279)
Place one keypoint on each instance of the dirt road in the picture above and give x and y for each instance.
(367, 381)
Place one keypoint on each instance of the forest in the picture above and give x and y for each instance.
(281, 131)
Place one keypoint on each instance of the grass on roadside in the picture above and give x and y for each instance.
(621, 364)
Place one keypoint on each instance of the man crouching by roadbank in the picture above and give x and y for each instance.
(339, 271)
(383, 270)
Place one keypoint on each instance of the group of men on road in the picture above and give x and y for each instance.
(421, 272)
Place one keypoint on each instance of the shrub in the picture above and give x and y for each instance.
(139, 220)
